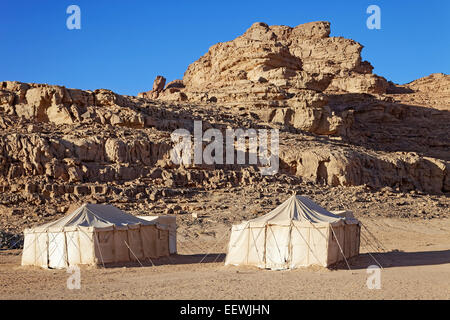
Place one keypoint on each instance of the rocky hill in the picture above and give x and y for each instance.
(342, 128)
(302, 80)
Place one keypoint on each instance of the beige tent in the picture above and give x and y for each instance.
(171, 222)
(94, 234)
(298, 233)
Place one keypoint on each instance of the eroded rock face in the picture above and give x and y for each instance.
(346, 167)
(158, 85)
(339, 124)
(304, 57)
(431, 91)
(281, 74)
(76, 136)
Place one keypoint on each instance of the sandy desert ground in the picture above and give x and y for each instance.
(349, 139)
(416, 266)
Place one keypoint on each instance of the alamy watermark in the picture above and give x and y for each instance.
(374, 20)
(374, 279)
(74, 280)
(74, 20)
(242, 147)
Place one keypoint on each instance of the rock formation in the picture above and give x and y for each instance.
(158, 86)
(340, 126)
(280, 73)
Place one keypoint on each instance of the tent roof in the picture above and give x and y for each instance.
(97, 216)
(297, 208)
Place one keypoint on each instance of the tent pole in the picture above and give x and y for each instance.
(248, 243)
(95, 235)
(67, 247)
(290, 243)
(265, 246)
(142, 240)
(79, 246)
(328, 246)
(114, 242)
(310, 250)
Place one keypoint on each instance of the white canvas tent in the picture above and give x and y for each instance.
(171, 222)
(298, 233)
(94, 234)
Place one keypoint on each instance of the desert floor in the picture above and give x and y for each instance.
(416, 266)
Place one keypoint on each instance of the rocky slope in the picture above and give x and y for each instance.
(302, 80)
(341, 126)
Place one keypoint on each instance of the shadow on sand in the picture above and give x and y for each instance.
(174, 259)
(396, 258)
(390, 259)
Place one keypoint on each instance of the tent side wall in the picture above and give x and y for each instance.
(247, 246)
(336, 243)
(131, 243)
(83, 245)
(352, 239)
(104, 245)
(300, 251)
(279, 247)
(309, 245)
(300, 244)
(136, 243)
(238, 245)
(348, 236)
(149, 236)
(256, 237)
(121, 252)
(80, 246)
(35, 252)
(171, 222)
(58, 249)
(163, 242)
(29, 249)
(278, 251)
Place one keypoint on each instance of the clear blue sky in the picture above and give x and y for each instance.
(123, 45)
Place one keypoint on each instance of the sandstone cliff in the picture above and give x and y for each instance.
(340, 126)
